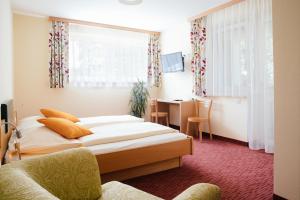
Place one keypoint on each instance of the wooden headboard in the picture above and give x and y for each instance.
(7, 115)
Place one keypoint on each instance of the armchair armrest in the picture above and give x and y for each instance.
(200, 191)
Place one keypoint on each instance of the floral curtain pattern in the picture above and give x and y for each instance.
(58, 54)
(198, 63)
(154, 65)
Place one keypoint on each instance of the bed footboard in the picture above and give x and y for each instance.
(131, 163)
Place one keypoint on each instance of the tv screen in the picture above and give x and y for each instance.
(172, 62)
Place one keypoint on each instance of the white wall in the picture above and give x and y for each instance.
(32, 90)
(286, 19)
(176, 39)
(229, 115)
(6, 69)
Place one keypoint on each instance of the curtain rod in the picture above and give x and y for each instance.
(102, 25)
(215, 9)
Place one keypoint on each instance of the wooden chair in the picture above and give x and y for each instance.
(155, 115)
(203, 105)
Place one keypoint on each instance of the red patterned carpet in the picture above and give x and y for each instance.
(240, 172)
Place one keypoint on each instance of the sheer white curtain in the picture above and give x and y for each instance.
(101, 57)
(240, 63)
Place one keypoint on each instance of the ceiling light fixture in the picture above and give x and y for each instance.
(131, 2)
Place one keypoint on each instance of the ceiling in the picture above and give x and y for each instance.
(155, 15)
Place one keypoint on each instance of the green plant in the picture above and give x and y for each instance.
(139, 99)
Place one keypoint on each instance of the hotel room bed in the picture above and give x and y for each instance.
(131, 158)
(124, 149)
(41, 140)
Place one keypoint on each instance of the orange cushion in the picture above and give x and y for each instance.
(65, 127)
(49, 112)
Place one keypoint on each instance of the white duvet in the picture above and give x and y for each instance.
(123, 131)
(39, 140)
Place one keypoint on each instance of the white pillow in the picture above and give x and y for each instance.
(29, 122)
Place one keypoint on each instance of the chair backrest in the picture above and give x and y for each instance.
(203, 107)
(153, 105)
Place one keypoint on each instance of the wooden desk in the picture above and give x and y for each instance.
(178, 111)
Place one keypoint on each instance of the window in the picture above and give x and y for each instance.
(101, 57)
(239, 46)
(227, 50)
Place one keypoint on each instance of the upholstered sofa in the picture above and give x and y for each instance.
(74, 174)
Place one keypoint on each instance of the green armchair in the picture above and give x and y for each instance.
(74, 174)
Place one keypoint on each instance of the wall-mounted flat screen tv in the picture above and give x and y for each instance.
(173, 62)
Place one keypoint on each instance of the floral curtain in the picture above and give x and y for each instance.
(58, 50)
(154, 65)
(198, 64)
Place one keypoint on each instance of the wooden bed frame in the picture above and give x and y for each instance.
(126, 164)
